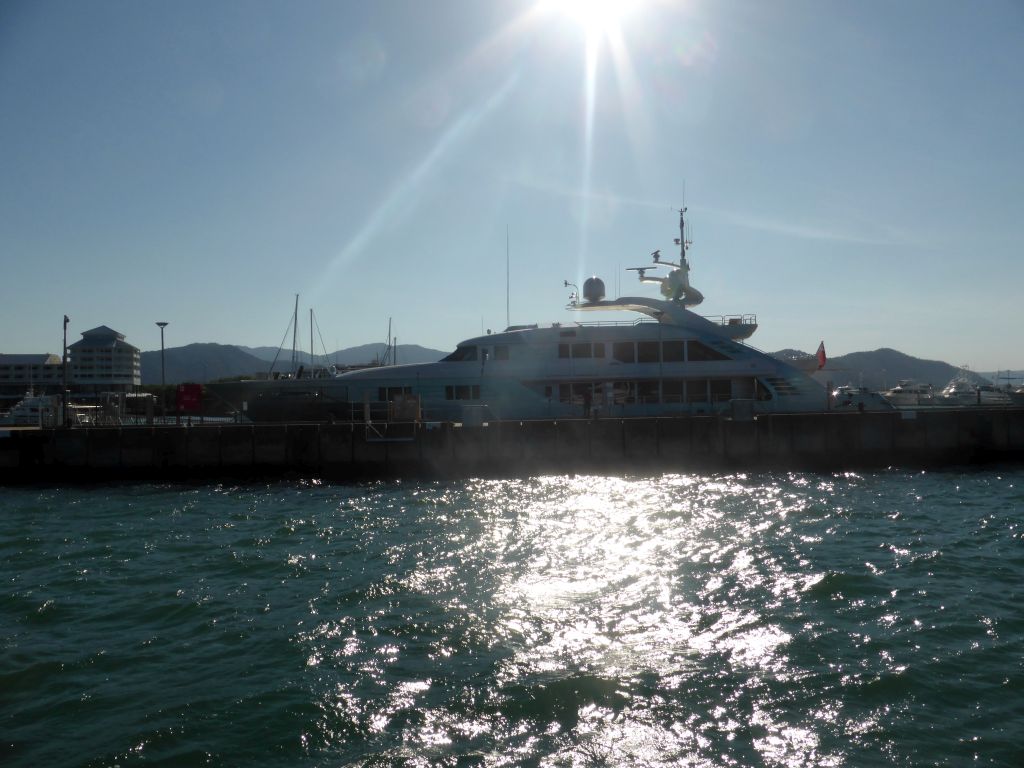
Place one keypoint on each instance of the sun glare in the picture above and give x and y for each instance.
(598, 18)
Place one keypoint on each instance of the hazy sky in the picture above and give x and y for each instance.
(854, 171)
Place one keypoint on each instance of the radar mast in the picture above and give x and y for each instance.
(676, 285)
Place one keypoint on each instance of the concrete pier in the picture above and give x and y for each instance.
(827, 441)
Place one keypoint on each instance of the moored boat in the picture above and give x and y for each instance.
(32, 411)
(850, 398)
(964, 391)
(912, 393)
(664, 360)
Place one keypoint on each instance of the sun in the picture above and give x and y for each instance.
(598, 18)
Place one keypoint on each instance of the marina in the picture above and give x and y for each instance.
(665, 391)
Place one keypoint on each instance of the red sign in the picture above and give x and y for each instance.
(190, 398)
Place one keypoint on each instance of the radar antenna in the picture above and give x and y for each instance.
(682, 241)
(676, 285)
(574, 297)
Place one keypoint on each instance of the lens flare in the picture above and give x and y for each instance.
(598, 18)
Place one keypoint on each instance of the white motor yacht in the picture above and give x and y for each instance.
(911, 393)
(963, 391)
(663, 359)
(851, 398)
(32, 411)
(1017, 396)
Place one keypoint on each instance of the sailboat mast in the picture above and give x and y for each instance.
(310, 341)
(295, 331)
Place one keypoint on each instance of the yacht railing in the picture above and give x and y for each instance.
(605, 323)
(732, 319)
(716, 319)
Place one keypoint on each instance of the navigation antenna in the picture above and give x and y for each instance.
(683, 241)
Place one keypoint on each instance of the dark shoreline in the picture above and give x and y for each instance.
(353, 452)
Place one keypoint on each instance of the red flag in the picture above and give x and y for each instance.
(821, 356)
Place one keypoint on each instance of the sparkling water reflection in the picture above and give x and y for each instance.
(775, 620)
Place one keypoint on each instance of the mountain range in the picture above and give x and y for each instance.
(365, 353)
(201, 363)
(882, 368)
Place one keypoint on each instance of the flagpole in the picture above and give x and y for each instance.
(64, 365)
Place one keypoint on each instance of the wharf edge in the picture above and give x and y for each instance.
(355, 452)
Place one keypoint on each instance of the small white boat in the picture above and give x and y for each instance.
(910, 393)
(1017, 396)
(963, 391)
(851, 398)
(32, 411)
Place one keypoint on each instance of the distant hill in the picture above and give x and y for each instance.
(793, 355)
(877, 370)
(199, 363)
(365, 353)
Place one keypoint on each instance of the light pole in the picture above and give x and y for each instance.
(163, 393)
(64, 364)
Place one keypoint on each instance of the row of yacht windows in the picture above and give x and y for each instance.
(700, 390)
(451, 392)
(673, 351)
(657, 391)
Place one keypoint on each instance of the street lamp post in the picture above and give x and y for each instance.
(64, 365)
(163, 384)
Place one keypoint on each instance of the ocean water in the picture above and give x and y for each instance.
(699, 620)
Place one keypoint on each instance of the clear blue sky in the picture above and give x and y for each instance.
(854, 171)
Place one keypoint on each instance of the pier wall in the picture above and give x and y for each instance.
(827, 441)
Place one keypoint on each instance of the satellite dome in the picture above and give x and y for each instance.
(593, 289)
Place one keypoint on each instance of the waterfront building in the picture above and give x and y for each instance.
(41, 373)
(102, 361)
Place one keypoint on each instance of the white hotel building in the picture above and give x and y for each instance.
(102, 361)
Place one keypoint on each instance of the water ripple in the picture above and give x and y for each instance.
(704, 620)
